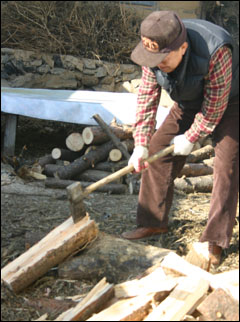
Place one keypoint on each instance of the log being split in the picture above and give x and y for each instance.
(50, 251)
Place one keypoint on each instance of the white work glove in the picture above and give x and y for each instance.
(139, 153)
(181, 145)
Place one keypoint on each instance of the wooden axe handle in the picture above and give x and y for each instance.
(129, 168)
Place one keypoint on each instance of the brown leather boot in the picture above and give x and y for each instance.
(215, 253)
(144, 232)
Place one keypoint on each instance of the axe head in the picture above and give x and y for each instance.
(75, 196)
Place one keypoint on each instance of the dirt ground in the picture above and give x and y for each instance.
(21, 214)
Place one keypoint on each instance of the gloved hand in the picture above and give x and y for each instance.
(181, 145)
(139, 153)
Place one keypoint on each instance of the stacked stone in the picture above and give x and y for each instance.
(20, 68)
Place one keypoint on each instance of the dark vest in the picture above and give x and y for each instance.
(185, 85)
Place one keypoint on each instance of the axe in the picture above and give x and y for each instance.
(76, 194)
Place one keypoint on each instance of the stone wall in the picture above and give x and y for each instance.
(30, 69)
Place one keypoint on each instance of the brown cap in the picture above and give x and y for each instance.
(161, 32)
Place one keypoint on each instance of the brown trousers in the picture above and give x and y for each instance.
(156, 191)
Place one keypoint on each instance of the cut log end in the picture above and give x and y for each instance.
(115, 155)
(75, 142)
(87, 135)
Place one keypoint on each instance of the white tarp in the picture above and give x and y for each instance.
(72, 106)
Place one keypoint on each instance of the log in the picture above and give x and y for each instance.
(64, 154)
(115, 155)
(195, 170)
(194, 184)
(219, 305)
(116, 141)
(93, 175)
(111, 166)
(111, 188)
(96, 135)
(50, 169)
(113, 257)
(92, 303)
(180, 301)
(199, 255)
(74, 142)
(49, 252)
(47, 159)
(204, 153)
(85, 162)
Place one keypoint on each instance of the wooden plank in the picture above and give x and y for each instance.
(180, 301)
(10, 135)
(219, 305)
(92, 303)
(50, 251)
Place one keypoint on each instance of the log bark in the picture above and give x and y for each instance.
(194, 184)
(111, 166)
(50, 169)
(95, 135)
(219, 305)
(92, 303)
(93, 175)
(85, 162)
(111, 188)
(113, 257)
(74, 142)
(204, 153)
(65, 155)
(116, 141)
(50, 251)
(47, 159)
(195, 170)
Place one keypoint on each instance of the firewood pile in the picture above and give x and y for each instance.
(95, 153)
(172, 289)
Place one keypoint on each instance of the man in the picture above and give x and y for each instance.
(196, 62)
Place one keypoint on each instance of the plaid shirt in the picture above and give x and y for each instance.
(217, 85)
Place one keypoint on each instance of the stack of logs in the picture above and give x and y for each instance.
(91, 155)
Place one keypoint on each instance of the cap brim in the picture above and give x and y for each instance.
(143, 57)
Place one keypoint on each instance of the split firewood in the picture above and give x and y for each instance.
(66, 155)
(204, 153)
(199, 255)
(116, 141)
(209, 162)
(56, 246)
(156, 281)
(96, 135)
(195, 170)
(180, 301)
(113, 257)
(111, 188)
(85, 162)
(194, 184)
(219, 305)
(94, 301)
(74, 142)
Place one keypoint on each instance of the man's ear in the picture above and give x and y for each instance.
(184, 47)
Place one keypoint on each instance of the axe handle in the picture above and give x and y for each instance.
(124, 171)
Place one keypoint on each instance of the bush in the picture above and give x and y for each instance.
(93, 29)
